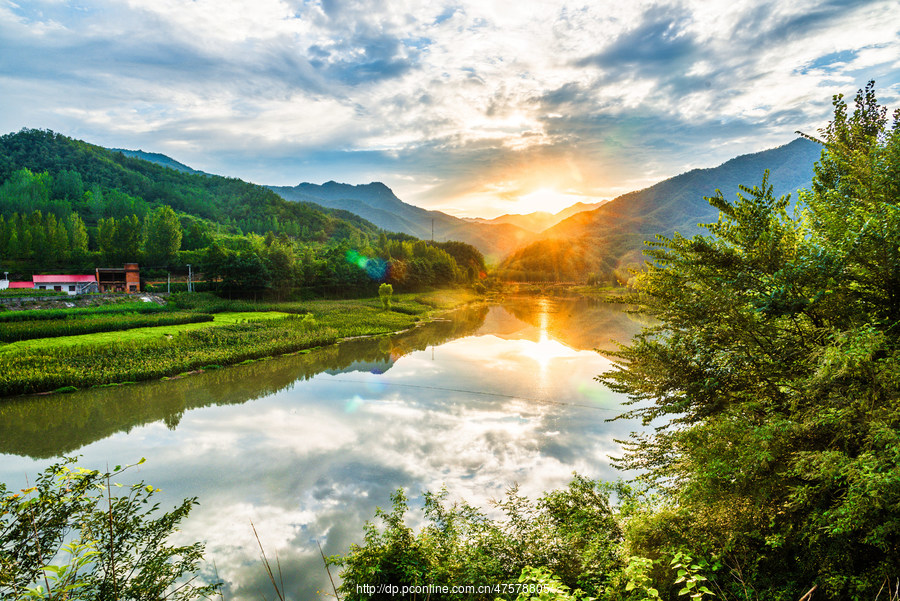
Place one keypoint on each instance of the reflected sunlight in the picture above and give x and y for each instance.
(546, 351)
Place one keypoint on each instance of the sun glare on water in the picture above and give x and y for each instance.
(545, 350)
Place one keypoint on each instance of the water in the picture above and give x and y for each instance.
(307, 446)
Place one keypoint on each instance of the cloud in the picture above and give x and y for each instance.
(441, 100)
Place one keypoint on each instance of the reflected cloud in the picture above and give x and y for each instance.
(308, 446)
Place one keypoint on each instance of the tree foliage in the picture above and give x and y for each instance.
(571, 532)
(76, 534)
(773, 373)
(163, 236)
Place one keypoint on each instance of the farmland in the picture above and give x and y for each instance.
(77, 348)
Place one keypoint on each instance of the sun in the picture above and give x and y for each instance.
(545, 199)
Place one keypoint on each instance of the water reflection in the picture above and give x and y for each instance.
(307, 446)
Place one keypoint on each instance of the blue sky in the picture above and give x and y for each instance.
(479, 108)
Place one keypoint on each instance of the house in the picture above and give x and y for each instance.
(6, 284)
(119, 279)
(71, 284)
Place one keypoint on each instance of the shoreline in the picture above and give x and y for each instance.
(54, 370)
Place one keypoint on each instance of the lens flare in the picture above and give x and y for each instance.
(354, 404)
(375, 268)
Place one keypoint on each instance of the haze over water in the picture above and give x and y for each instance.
(308, 446)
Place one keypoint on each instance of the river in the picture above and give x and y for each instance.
(307, 446)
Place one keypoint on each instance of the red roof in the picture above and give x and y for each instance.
(21, 284)
(58, 279)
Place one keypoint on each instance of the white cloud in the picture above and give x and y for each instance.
(440, 94)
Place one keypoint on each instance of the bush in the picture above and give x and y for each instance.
(385, 291)
(76, 534)
(571, 532)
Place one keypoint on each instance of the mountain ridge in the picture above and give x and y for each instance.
(608, 240)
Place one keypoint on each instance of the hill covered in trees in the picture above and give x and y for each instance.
(604, 243)
(66, 205)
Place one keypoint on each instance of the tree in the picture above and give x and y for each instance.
(106, 243)
(773, 374)
(76, 534)
(127, 239)
(78, 236)
(385, 292)
(163, 236)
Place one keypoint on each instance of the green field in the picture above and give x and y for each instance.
(253, 331)
(135, 334)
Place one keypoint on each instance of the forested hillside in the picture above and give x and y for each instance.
(602, 244)
(69, 206)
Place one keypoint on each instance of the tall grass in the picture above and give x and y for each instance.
(86, 365)
(27, 330)
(49, 314)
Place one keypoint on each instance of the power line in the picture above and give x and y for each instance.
(478, 392)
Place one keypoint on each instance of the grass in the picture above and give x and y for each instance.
(54, 314)
(26, 330)
(49, 364)
(135, 334)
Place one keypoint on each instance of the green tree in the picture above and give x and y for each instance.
(76, 534)
(773, 375)
(106, 239)
(78, 236)
(385, 292)
(127, 239)
(163, 236)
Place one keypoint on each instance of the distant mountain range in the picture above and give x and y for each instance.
(538, 221)
(159, 159)
(600, 238)
(377, 203)
(612, 237)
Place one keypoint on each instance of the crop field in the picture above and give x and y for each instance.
(26, 330)
(89, 347)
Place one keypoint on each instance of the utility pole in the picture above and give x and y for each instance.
(432, 230)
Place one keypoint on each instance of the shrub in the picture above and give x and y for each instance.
(76, 534)
(385, 291)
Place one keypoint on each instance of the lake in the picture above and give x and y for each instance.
(307, 446)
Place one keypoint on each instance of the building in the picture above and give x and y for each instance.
(6, 284)
(71, 284)
(119, 279)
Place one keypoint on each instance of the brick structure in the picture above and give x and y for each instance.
(119, 279)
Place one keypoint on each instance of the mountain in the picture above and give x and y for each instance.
(99, 183)
(607, 240)
(159, 159)
(377, 203)
(538, 221)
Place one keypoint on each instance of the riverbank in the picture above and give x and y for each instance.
(244, 332)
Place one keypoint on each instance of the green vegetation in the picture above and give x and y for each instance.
(68, 206)
(26, 330)
(26, 292)
(385, 291)
(776, 366)
(40, 314)
(235, 335)
(771, 377)
(76, 534)
(572, 532)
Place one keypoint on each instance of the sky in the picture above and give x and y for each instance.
(476, 108)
